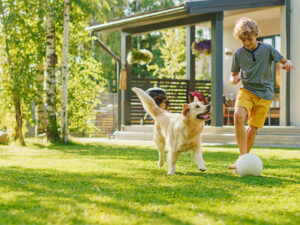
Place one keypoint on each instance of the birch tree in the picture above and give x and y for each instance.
(64, 91)
(40, 125)
(9, 42)
(51, 58)
(17, 63)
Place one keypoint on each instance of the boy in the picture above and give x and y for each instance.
(254, 98)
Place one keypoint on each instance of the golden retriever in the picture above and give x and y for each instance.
(179, 132)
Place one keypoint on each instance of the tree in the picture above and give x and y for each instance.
(65, 73)
(23, 51)
(147, 41)
(18, 60)
(52, 129)
(173, 51)
(40, 40)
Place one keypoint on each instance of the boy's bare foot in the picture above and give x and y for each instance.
(235, 172)
(233, 166)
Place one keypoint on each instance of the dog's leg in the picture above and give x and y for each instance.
(173, 157)
(199, 160)
(160, 143)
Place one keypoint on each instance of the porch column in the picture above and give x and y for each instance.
(190, 57)
(288, 56)
(125, 96)
(217, 70)
(285, 83)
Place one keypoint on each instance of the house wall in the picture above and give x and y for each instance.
(295, 57)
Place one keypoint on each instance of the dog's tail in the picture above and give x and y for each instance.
(148, 102)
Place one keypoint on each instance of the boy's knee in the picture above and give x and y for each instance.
(240, 114)
(252, 130)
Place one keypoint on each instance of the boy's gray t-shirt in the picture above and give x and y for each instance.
(256, 71)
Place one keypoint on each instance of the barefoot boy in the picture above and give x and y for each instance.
(252, 64)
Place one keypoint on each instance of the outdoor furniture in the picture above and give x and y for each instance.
(160, 97)
(228, 108)
(273, 116)
(177, 91)
(203, 99)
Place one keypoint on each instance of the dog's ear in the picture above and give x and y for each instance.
(196, 99)
(185, 109)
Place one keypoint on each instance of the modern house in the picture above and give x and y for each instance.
(278, 21)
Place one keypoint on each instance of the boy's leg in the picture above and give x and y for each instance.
(240, 131)
(257, 119)
(251, 133)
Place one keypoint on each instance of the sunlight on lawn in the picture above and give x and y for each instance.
(102, 184)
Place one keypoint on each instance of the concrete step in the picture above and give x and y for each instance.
(281, 130)
(138, 128)
(132, 135)
(287, 136)
(260, 139)
(219, 138)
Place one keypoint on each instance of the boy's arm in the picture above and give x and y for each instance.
(287, 64)
(235, 78)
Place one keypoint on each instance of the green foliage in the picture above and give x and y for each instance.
(204, 62)
(86, 78)
(173, 53)
(135, 6)
(110, 184)
(147, 41)
(85, 84)
(139, 56)
(18, 59)
(23, 33)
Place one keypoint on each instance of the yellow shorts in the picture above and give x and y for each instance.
(257, 108)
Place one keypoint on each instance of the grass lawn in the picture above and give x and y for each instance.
(103, 184)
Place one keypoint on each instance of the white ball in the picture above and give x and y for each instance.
(249, 165)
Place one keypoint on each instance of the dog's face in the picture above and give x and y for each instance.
(196, 110)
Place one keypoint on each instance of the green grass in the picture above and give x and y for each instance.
(103, 184)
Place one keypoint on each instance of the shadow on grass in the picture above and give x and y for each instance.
(41, 191)
(215, 158)
(105, 150)
(235, 218)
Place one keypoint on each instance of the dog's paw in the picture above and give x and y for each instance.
(171, 171)
(160, 163)
(202, 168)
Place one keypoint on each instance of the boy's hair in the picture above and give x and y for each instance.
(245, 28)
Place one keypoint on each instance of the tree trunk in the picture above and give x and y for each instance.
(15, 96)
(52, 131)
(18, 115)
(64, 91)
(39, 110)
(40, 120)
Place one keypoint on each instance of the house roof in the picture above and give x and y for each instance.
(189, 13)
(141, 19)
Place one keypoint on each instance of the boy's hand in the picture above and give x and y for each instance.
(288, 66)
(235, 78)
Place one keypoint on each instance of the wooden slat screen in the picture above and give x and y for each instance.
(104, 118)
(177, 91)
